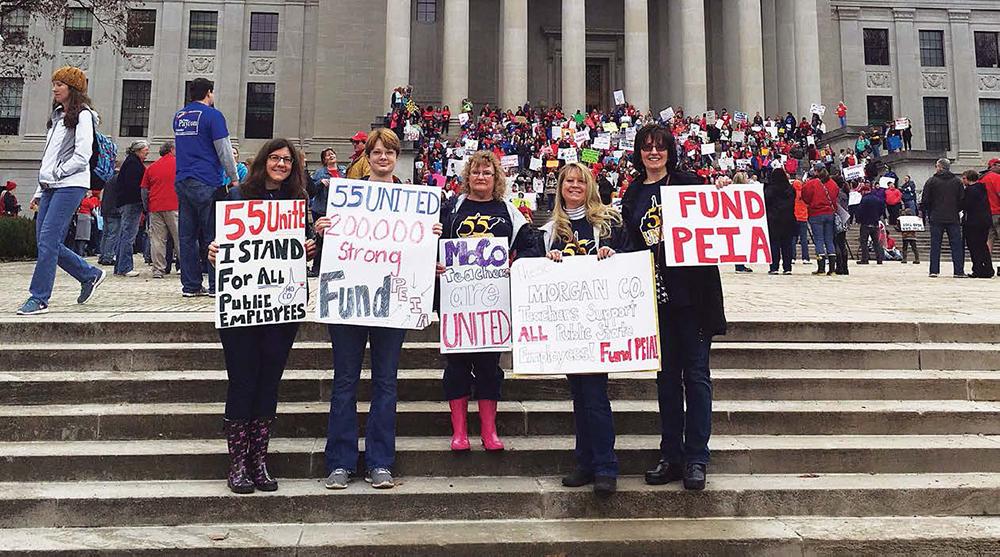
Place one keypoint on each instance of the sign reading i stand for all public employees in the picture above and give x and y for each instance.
(260, 268)
(583, 315)
(378, 255)
(475, 295)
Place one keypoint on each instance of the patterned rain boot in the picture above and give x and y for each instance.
(260, 434)
(238, 440)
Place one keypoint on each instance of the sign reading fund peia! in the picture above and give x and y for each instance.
(378, 255)
(705, 225)
(260, 268)
(475, 295)
(583, 315)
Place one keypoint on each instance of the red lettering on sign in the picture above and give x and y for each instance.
(730, 256)
(758, 243)
(681, 237)
(704, 245)
(685, 199)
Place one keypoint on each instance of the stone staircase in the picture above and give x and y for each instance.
(829, 438)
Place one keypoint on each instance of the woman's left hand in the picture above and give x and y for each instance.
(310, 249)
(722, 181)
(437, 229)
(604, 252)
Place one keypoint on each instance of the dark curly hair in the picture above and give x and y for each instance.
(253, 187)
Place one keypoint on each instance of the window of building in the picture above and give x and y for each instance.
(932, 48)
(989, 117)
(10, 105)
(79, 28)
(141, 28)
(936, 123)
(14, 27)
(987, 52)
(263, 31)
(260, 111)
(426, 11)
(876, 47)
(879, 110)
(135, 108)
(203, 30)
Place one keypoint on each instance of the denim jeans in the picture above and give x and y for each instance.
(803, 238)
(196, 229)
(255, 360)
(126, 236)
(684, 386)
(843, 121)
(870, 232)
(109, 238)
(380, 428)
(479, 369)
(55, 210)
(823, 230)
(954, 241)
(595, 426)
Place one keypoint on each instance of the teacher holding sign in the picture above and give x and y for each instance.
(690, 309)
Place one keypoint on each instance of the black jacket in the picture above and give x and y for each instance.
(780, 204)
(976, 206)
(942, 198)
(127, 190)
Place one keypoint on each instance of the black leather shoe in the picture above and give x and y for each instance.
(578, 478)
(664, 473)
(605, 486)
(694, 477)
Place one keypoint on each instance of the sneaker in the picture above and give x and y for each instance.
(961, 275)
(933, 275)
(742, 269)
(201, 292)
(772, 272)
(694, 477)
(33, 307)
(130, 274)
(88, 288)
(158, 275)
(338, 479)
(786, 272)
(210, 293)
(380, 478)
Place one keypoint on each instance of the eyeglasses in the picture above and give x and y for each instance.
(278, 158)
(380, 154)
(650, 147)
(481, 174)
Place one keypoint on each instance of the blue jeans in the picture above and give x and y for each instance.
(55, 210)
(595, 426)
(823, 230)
(126, 236)
(843, 121)
(803, 239)
(684, 380)
(380, 428)
(109, 237)
(196, 229)
(954, 241)
(876, 151)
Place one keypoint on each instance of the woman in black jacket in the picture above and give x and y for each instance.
(779, 198)
(129, 204)
(690, 313)
(976, 224)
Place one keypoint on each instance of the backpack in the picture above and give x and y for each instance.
(102, 162)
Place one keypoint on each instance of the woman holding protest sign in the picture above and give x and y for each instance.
(256, 355)
(583, 225)
(481, 210)
(690, 312)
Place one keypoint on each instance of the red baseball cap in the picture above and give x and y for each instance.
(360, 136)
(992, 163)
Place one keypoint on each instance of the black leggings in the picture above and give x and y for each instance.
(255, 361)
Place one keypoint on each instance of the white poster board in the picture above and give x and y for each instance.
(602, 141)
(582, 136)
(463, 118)
(739, 137)
(885, 181)
(535, 164)
(667, 114)
(509, 161)
(911, 224)
(856, 172)
(619, 97)
(853, 198)
(902, 123)
(708, 148)
(475, 295)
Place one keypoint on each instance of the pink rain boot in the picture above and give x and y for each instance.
(460, 434)
(488, 425)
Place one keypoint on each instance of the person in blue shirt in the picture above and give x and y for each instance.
(204, 153)
(241, 171)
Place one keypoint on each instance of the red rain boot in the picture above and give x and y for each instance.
(460, 433)
(488, 425)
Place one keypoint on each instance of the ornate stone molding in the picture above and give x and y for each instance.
(934, 81)
(878, 80)
(989, 83)
(959, 16)
(261, 66)
(845, 13)
(904, 14)
(200, 64)
(139, 63)
(77, 59)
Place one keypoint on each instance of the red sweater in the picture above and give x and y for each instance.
(159, 180)
(992, 182)
(816, 200)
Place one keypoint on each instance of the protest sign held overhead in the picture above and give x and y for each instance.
(667, 113)
(856, 172)
(509, 161)
(619, 97)
(260, 267)
(475, 295)
(589, 156)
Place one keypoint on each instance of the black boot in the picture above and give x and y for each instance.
(694, 477)
(664, 473)
(832, 264)
(820, 265)
(605, 486)
(578, 478)
(238, 440)
(260, 434)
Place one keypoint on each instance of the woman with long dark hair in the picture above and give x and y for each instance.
(63, 180)
(256, 355)
(779, 198)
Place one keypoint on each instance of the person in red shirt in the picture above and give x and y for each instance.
(842, 114)
(159, 198)
(820, 196)
(893, 202)
(991, 179)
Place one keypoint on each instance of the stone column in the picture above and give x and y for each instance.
(167, 96)
(970, 138)
(230, 83)
(770, 44)
(807, 75)
(513, 54)
(691, 14)
(785, 31)
(637, 53)
(288, 98)
(852, 55)
(455, 69)
(574, 56)
(908, 74)
(751, 57)
(397, 46)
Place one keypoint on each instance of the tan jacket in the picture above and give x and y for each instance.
(359, 168)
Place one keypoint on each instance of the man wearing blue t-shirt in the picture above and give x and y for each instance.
(204, 154)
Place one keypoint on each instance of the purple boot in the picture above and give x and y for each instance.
(238, 439)
(260, 434)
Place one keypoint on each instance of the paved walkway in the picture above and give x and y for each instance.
(889, 292)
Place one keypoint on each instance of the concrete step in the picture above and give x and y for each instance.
(525, 456)
(917, 536)
(171, 503)
(114, 387)
(96, 422)
(310, 355)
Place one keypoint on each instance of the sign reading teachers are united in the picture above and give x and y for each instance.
(475, 295)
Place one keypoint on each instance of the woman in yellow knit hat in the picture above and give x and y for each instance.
(63, 180)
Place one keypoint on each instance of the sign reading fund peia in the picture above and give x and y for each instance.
(704, 225)
(378, 255)
(260, 268)
(583, 315)
(475, 295)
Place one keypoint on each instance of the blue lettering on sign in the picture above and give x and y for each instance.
(385, 198)
(186, 122)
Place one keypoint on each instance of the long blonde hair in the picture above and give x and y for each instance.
(599, 215)
(485, 158)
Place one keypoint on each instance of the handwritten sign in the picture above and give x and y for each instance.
(619, 97)
(260, 271)
(535, 164)
(581, 136)
(708, 148)
(602, 141)
(475, 295)
(911, 224)
(378, 255)
(704, 225)
(508, 161)
(589, 156)
(741, 117)
(584, 316)
(463, 118)
(710, 117)
(856, 172)
(610, 127)
(816, 108)
(902, 123)
(667, 114)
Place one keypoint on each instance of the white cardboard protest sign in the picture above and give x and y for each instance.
(816, 108)
(602, 141)
(536, 164)
(583, 315)
(885, 181)
(739, 137)
(911, 224)
(741, 117)
(260, 268)
(902, 123)
(772, 131)
(509, 161)
(556, 132)
(378, 255)
(705, 225)
(472, 145)
(810, 140)
(853, 198)
(667, 113)
(742, 164)
(710, 118)
(582, 136)
(537, 184)
(463, 118)
(475, 295)
(571, 155)
(708, 148)
(619, 97)
(630, 133)
(856, 172)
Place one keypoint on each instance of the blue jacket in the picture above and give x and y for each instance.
(870, 209)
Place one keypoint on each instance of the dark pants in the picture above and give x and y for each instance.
(911, 244)
(684, 380)
(894, 211)
(840, 242)
(595, 426)
(954, 240)
(975, 240)
(317, 259)
(870, 231)
(803, 239)
(196, 230)
(782, 251)
(474, 369)
(380, 429)
(255, 360)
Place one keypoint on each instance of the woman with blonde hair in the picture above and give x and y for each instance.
(480, 210)
(582, 225)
